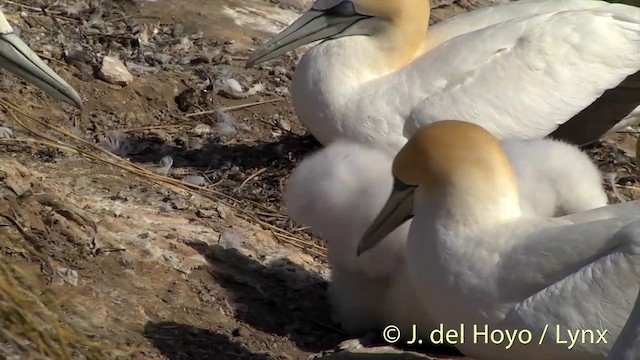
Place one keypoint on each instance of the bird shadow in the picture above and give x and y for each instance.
(281, 298)
(211, 154)
(285, 299)
(183, 342)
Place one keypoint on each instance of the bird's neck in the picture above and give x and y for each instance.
(453, 226)
(473, 205)
(403, 40)
(333, 77)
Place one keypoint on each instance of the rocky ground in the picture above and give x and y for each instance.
(155, 215)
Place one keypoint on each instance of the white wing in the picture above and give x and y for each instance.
(598, 296)
(524, 77)
(554, 252)
(627, 346)
(594, 290)
(491, 15)
(622, 210)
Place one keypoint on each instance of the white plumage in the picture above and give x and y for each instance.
(519, 69)
(477, 259)
(627, 346)
(339, 190)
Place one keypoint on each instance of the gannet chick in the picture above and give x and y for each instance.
(339, 190)
(18, 58)
(627, 346)
(524, 69)
(476, 260)
(554, 178)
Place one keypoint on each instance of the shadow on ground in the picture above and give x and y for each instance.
(285, 299)
(185, 342)
(213, 154)
(282, 298)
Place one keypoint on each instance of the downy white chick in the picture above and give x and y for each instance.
(339, 190)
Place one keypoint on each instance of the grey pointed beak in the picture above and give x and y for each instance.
(18, 58)
(396, 211)
(312, 26)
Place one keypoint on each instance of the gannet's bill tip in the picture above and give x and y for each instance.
(360, 249)
(18, 58)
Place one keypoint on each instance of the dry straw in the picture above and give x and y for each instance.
(243, 207)
(31, 326)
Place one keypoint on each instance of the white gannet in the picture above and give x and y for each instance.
(19, 59)
(525, 69)
(340, 189)
(477, 260)
(627, 346)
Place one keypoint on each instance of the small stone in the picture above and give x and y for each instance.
(196, 180)
(280, 70)
(202, 213)
(223, 211)
(284, 124)
(232, 86)
(158, 58)
(237, 175)
(114, 71)
(231, 240)
(240, 332)
(68, 275)
(195, 143)
(202, 129)
(180, 204)
(281, 90)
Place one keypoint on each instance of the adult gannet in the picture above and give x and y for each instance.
(524, 69)
(339, 190)
(627, 346)
(18, 58)
(477, 260)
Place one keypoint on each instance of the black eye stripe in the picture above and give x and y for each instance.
(400, 186)
(345, 8)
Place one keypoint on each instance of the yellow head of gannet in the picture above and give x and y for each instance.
(440, 157)
(388, 21)
(18, 58)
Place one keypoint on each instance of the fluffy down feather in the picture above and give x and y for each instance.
(340, 189)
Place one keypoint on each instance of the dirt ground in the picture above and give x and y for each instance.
(180, 246)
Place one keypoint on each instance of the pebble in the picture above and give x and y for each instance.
(196, 180)
(68, 275)
(202, 213)
(202, 129)
(223, 211)
(284, 124)
(280, 70)
(115, 72)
